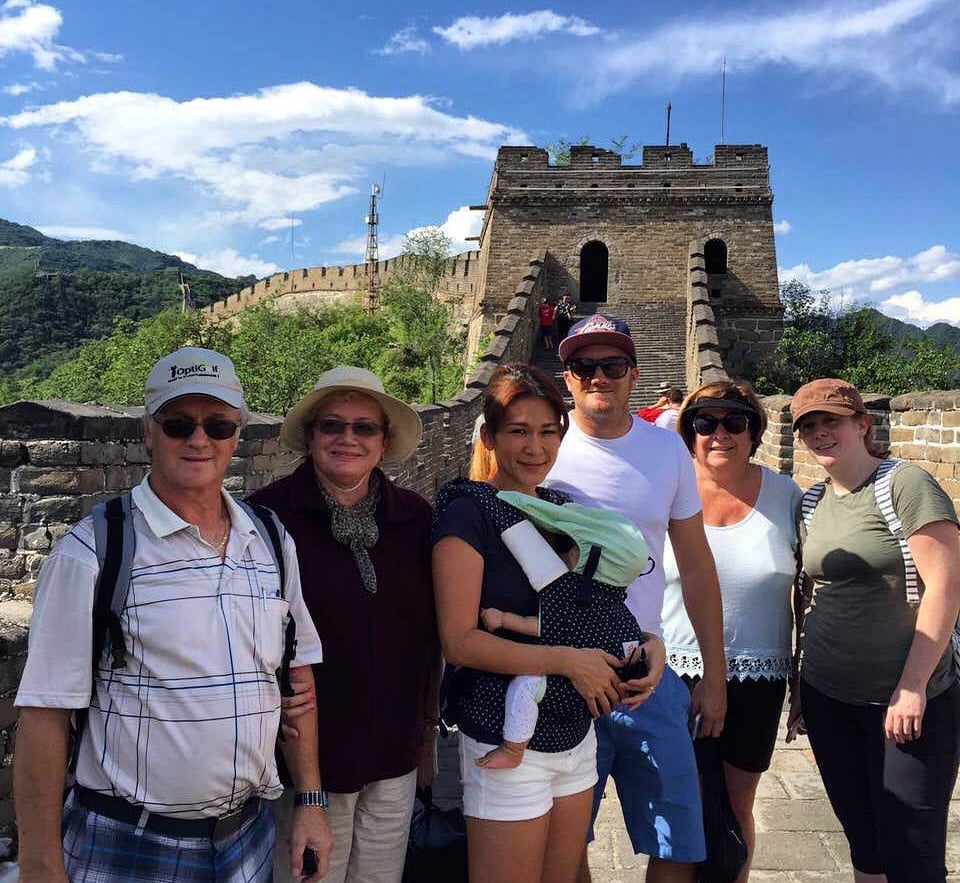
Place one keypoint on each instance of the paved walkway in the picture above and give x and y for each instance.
(798, 838)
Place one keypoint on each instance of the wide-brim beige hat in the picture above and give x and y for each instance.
(405, 426)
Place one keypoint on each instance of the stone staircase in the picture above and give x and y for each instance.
(659, 332)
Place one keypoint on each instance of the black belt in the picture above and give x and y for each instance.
(170, 826)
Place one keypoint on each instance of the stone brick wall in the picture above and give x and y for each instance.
(746, 339)
(704, 361)
(315, 287)
(59, 459)
(645, 214)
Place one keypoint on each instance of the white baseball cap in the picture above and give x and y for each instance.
(191, 371)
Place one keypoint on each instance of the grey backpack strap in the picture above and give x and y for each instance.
(116, 565)
(271, 532)
(881, 489)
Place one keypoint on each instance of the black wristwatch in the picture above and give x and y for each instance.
(311, 798)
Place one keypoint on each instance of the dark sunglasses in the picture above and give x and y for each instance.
(216, 428)
(614, 367)
(361, 428)
(706, 424)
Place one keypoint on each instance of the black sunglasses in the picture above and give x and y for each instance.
(613, 367)
(361, 428)
(706, 424)
(216, 428)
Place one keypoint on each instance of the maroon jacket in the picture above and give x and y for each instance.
(378, 650)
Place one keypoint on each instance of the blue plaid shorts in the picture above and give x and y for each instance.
(98, 849)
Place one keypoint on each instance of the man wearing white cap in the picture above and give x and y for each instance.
(178, 716)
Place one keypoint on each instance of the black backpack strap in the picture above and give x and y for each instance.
(115, 546)
(271, 531)
(585, 588)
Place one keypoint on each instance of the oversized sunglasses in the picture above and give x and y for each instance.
(216, 428)
(706, 424)
(613, 367)
(361, 428)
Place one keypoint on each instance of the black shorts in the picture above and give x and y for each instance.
(750, 727)
(892, 800)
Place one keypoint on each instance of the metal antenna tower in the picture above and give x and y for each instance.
(372, 257)
(187, 302)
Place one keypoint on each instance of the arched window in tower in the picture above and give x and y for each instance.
(593, 272)
(715, 256)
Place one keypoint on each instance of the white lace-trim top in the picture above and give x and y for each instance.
(756, 566)
(773, 666)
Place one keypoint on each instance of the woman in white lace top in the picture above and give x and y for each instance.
(750, 518)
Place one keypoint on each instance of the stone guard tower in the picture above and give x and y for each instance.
(620, 237)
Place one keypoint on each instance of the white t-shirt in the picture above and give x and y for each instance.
(646, 475)
(756, 564)
(188, 726)
(667, 419)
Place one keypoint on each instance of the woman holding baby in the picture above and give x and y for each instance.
(513, 600)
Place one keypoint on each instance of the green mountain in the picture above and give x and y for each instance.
(56, 295)
(939, 334)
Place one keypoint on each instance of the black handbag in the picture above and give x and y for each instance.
(726, 848)
(437, 848)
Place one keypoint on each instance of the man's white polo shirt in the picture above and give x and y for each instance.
(188, 727)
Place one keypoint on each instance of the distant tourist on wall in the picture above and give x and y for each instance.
(566, 313)
(878, 683)
(745, 506)
(669, 398)
(179, 713)
(365, 560)
(546, 314)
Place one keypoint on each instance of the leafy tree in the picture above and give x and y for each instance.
(819, 341)
(425, 361)
(560, 151)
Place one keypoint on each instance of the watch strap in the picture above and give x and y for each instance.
(311, 798)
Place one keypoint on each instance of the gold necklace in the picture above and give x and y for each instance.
(222, 545)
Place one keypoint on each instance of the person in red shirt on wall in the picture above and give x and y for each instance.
(547, 310)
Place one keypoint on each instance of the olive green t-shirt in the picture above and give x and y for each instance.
(859, 628)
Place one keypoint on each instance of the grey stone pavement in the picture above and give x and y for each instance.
(798, 838)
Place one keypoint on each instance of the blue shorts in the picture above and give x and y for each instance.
(649, 753)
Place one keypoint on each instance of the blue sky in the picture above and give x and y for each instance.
(216, 129)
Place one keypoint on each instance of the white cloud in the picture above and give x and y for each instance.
(899, 43)
(868, 277)
(32, 28)
(472, 31)
(269, 240)
(65, 231)
(460, 224)
(228, 262)
(14, 172)
(782, 227)
(279, 223)
(18, 89)
(261, 156)
(912, 307)
(405, 40)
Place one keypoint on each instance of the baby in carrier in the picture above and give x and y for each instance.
(581, 599)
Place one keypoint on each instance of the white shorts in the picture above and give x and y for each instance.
(527, 791)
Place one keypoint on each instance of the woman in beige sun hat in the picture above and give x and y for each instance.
(364, 552)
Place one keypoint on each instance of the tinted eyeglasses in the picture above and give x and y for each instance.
(613, 367)
(216, 428)
(706, 424)
(361, 428)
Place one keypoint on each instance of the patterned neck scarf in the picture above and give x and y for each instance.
(355, 527)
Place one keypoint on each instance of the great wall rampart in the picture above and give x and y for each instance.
(314, 287)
